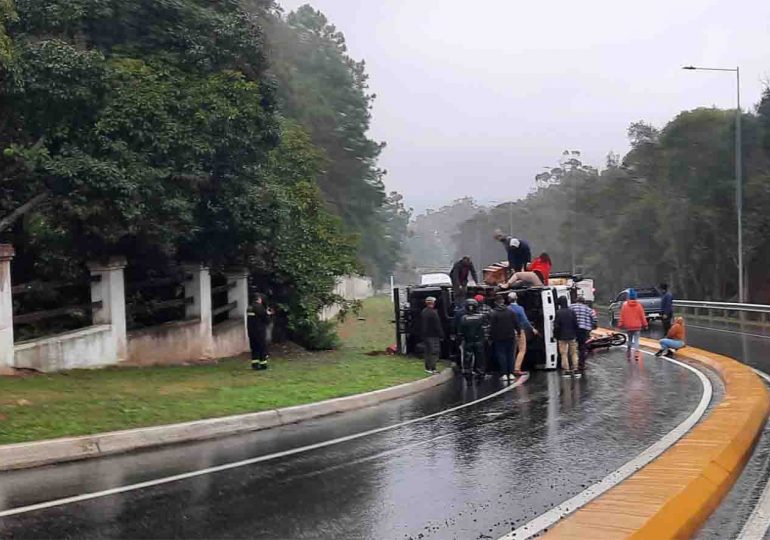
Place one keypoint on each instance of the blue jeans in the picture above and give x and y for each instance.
(504, 353)
(633, 339)
(667, 344)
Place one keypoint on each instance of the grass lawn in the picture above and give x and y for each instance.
(79, 402)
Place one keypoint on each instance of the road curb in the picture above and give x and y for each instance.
(676, 493)
(35, 454)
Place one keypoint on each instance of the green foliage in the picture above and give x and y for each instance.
(151, 127)
(325, 90)
(316, 335)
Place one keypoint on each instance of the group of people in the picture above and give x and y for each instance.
(501, 333)
(572, 327)
(488, 339)
(633, 320)
(522, 270)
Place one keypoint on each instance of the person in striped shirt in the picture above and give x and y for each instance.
(586, 322)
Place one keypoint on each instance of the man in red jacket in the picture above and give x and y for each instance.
(633, 320)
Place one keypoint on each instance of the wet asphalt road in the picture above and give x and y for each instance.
(474, 473)
(751, 345)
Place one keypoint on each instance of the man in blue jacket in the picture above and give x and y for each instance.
(667, 308)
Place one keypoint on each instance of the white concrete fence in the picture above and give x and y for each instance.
(349, 288)
(107, 342)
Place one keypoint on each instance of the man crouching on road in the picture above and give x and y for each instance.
(432, 334)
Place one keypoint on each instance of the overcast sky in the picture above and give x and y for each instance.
(474, 99)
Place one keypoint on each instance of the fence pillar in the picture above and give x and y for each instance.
(239, 293)
(6, 308)
(109, 289)
(199, 289)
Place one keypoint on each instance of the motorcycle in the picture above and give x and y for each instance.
(605, 340)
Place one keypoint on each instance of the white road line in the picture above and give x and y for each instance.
(759, 520)
(728, 331)
(245, 462)
(569, 506)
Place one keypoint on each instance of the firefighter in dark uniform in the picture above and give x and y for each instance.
(257, 320)
(472, 334)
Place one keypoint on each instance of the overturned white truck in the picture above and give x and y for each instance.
(539, 303)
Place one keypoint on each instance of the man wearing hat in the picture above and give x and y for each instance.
(432, 333)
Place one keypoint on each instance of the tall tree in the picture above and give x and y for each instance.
(326, 90)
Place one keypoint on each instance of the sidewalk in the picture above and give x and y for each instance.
(83, 402)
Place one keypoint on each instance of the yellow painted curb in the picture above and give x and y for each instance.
(675, 494)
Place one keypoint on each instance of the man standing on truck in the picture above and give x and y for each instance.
(459, 275)
(432, 333)
(519, 254)
(666, 308)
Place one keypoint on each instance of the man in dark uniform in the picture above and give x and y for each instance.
(257, 320)
(472, 334)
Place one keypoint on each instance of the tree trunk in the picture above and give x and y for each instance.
(28, 206)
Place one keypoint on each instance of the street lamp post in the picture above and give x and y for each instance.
(738, 171)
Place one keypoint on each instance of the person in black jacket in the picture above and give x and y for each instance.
(518, 250)
(565, 328)
(432, 333)
(472, 334)
(459, 275)
(257, 319)
(504, 332)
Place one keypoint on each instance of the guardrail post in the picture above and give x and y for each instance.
(109, 289)
(199, 289)
(6, 308)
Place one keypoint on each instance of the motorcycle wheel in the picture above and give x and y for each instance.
(618, 340)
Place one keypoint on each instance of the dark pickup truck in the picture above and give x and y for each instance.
(650, 298)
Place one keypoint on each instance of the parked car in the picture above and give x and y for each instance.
(650, 298)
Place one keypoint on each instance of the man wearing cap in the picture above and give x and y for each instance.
(432, 333)
(519, 253)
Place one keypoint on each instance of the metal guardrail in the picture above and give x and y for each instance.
(723, 306)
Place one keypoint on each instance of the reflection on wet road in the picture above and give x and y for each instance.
(473, 473)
